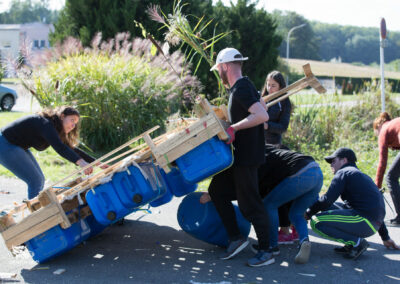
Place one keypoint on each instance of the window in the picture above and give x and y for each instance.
(6, 44)
(36, 44)
(42, 44)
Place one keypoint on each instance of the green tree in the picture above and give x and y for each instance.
(303, 42)
(253, 33)
(27, 11)
(253, 30)
(83, 19)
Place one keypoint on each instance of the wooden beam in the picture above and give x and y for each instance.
(29, 222)
(33, 231)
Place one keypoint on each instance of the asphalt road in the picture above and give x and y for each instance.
(151, 248)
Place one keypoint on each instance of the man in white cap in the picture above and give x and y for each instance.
(240, 182)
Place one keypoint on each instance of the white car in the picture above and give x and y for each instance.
(8, 97)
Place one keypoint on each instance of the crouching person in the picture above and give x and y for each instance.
(289, 176)
(359, 217)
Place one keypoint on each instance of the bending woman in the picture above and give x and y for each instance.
(388, 132)
(53, 127)
(278, 123)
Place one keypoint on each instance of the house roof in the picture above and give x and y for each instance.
(10, 27)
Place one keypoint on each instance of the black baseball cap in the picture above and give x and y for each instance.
(342, 153)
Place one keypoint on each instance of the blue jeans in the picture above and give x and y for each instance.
(22, 163)
(303, 189)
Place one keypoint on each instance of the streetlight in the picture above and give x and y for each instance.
(287, 46)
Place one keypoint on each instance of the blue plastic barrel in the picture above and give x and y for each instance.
(167, 195)
(57, 240)
(177, 184)
(202, 221)
(205, 160)
(105, 204)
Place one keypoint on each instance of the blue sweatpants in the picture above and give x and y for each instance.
(343, 225)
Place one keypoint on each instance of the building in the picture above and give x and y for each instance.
(12, 37)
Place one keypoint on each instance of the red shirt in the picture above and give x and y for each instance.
(389, 137)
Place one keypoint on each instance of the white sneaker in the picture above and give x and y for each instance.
(304, 252)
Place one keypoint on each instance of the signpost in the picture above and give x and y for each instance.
(382, 59)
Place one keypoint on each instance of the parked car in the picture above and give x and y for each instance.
(8, 97)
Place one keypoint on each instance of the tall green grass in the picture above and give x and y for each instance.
(320, 128)
(120, 87)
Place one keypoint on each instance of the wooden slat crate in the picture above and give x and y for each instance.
(49, 208)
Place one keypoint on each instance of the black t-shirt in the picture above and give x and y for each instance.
(39, 132)
(279, 164)
(249, 143)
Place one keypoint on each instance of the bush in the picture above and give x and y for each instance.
(320, 129)
(118, 86)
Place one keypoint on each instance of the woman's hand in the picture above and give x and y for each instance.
(82, 163)
(102, 166)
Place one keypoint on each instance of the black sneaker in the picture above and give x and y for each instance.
(394, 222)
(358, 250)
(234, 248)
(343, 250)
(275, 250)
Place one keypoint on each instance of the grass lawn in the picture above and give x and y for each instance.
(304, 98)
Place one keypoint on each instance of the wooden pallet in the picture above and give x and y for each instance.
(49, 208)
(50, 215)
(208, 126)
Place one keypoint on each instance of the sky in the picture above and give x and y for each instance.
(362, 13)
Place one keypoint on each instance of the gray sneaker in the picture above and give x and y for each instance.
(275, 250)
(261, 258)
(304, 252)
(234, 248)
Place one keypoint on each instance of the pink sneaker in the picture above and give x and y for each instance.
(295, 235)
(284, 239)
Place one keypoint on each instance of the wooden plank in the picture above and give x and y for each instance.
(281, 98)
(188, 145)
(208, 109)
(315, 84)
(34, 231)
(285, 90)
(307, 70)
(186, 134)
(105, 156)
(49, 197)
(80, 214)
(30, 221)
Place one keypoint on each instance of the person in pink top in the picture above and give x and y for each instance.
(388, 132)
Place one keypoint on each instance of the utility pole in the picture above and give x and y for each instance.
(287, 47)
(382, 59)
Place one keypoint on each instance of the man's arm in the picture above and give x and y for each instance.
(387, 241)
(257, 116)
(324, 202)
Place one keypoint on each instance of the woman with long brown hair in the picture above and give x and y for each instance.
(52, 127)
(388, 132)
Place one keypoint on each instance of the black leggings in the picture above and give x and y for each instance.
(240, 183)
(392, 180)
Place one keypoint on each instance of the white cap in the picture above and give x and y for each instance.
(228, 55)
